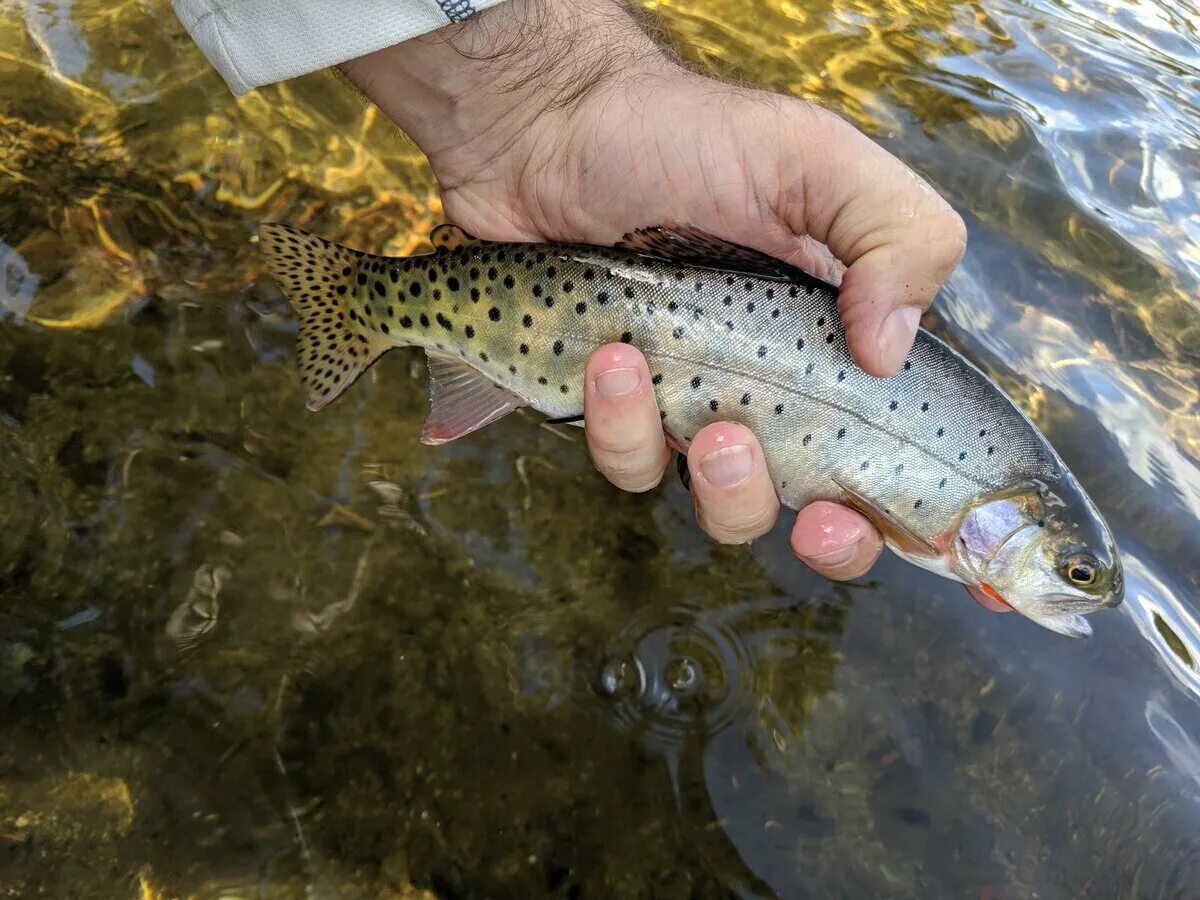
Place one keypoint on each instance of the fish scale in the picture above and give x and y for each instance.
(765, 349)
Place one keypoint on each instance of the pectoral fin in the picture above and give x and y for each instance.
(894, 531)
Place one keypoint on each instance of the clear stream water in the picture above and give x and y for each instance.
(249, 652)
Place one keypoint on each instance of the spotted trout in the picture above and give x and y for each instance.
(955, 477)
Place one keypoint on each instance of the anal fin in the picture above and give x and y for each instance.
(462, 400)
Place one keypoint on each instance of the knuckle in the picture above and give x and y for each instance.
(737, 525)
(636, 470)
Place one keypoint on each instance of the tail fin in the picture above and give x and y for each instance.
(318, 278)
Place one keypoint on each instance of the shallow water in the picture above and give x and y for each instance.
(245, 651)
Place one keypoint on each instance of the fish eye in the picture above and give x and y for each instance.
(1081, 568)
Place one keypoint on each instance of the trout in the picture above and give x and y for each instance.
(955, 477)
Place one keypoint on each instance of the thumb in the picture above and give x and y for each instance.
(898, 238)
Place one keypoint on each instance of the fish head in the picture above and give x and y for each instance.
(1042, 549)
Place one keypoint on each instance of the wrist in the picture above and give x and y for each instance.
(470, 92)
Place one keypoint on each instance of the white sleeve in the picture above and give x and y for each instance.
(257, 42)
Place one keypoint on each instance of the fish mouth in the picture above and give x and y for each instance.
(1061, 613)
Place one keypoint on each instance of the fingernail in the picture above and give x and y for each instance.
(896, 336)
(618, 382)
(729, 466)
(834, 558)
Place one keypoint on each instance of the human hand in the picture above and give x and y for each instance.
(558, 120)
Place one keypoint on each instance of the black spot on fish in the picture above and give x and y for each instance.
(537, 290)
(728, 301)
(383, 327)
(842, 375)
(962, 456)
(941, 484)
(424, 320)
(728, 326)
(341, 289)
(588, 274)
(394, 274)
(558, 348)
(762, 351)
(821, 322)
(581, 307)
(991, 450)
(749, 286)
(917, 505)
(941, 431)
(527, 320)
(524, 349)
(712, 404)
(509, 282)
(672, 306)
(415, 289)
(492, 273)
(893, 406)
(551, 272)
(469, 331)
(982, 432)
(778, 408)
(512, 370)
(907, 365)
(541, 379)
(602, 297)
(474, 295)
(483, 356)
(626, 337)
(405, 322)
(800, 343)
(494, 314)
(568, 287)
(925, 407)
(432, 274)
(696, 381)
(775, 314)
(749, 307)
(807, 440)
(829, 338)
(563, 388)
(444, 322)
(452, 283)
(865, 465)
(362, 278)
(474, 274)
(808, 370)
(745, 399)
(841, 433)
(677, 333)
(629, 293)
(657, 379)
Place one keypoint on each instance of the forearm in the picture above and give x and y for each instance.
(467, 92)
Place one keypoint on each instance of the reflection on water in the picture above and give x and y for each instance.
(247, 651)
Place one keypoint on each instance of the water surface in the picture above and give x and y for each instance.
(246, 651)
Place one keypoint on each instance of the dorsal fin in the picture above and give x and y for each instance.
(450, 237)
(692, 246)
(462, 399)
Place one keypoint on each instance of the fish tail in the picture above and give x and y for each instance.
(318, 276)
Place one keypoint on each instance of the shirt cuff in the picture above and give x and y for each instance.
(257, 42)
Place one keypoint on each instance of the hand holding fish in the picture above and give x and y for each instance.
(548, 120)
